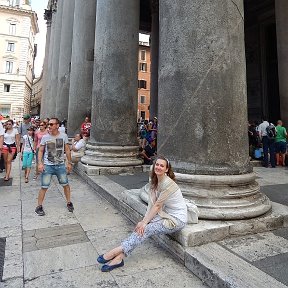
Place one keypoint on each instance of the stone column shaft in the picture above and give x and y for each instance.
(65, 60)
(46, 69)
(81, 83)
(281, 10)
(55, 60)
(202, 95)
(154, 59)
(114, 102)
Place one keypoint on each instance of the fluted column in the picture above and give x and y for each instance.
(281, 11)
(154, 59)
(81, 76)
(114, 103)
(46, 64)
(203, 106)
(55, 60)
(65, 60)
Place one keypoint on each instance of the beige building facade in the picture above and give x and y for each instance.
(18, 27)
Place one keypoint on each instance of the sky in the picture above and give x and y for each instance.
(38, 6)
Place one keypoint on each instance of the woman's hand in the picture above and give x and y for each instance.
(140, 228)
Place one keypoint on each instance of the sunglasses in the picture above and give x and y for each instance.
(42, 125)
(51, 124)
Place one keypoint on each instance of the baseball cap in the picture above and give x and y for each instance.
(26, 116)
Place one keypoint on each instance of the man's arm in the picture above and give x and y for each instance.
(68, 156)
(40, 158)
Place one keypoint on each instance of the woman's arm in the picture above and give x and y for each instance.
(35, 141)
(17, 140)
(140, 227)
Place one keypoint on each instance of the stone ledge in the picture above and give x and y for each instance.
(217, 267)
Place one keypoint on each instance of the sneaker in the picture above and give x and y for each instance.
(70, 207)
(39, 210)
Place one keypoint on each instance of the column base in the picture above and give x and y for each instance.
(231, 197)
(111, 159)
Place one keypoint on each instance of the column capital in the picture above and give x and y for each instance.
(48, 16)
(154, 6)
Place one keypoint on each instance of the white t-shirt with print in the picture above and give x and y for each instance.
(26, 145)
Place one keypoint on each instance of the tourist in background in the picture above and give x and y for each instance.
(27, 151)
(280, 143)
(11, 146)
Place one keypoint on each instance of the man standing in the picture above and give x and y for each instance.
(22, 129)
(53, 146)
(268, 143)
(280, 143)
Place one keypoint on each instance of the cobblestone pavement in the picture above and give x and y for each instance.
(60, 249)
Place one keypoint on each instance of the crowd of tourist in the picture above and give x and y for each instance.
(268, 142)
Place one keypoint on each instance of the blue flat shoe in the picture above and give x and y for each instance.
(101, 259)
(108, 268)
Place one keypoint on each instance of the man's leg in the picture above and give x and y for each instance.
(67, 193)
(272, 152)
(41, 196)
(265, 150)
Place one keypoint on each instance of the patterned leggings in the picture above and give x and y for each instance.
(153, 228)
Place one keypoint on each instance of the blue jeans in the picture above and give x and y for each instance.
(268, 147)
(58, 170)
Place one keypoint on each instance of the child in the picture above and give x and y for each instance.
(27, 152)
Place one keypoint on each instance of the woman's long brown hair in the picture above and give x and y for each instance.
(170, 173)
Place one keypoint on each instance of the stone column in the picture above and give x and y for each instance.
(80, 91)
(46, 64)
(114, 103)
(55, 60)
(154, 59)
(203, 107)
(65, 60)
(281, 10)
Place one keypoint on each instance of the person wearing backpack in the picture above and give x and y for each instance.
(267, 133)
(280, 143)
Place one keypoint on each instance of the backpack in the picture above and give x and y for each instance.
(271, 131)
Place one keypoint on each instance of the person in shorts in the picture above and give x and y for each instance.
(280, 143)
(53, 146)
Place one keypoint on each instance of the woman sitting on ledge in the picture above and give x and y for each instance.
(78, 148)
(166, 213)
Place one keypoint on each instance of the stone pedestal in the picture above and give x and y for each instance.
(65, 60)
(281, 10)
(114, 103)
(55, 61)
(202, 95)
(81, 76)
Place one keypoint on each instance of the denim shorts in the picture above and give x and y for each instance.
(58, 170)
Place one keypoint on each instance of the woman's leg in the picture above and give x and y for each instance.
(8, 163)
(134, 240)
(28, 164)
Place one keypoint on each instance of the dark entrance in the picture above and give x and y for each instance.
(261, 60)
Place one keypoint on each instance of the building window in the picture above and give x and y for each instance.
(14, 3)
(6, 87)
(141, 84)
(12, 29)
(143, 67)
(5, 110)
(9, 67)
(143, 55)
(11, 47)
(142, 99)
(142, 114)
